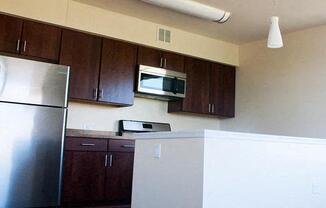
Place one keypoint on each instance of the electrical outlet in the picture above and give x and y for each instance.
(157, 151)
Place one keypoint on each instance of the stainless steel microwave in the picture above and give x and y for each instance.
(161, 83)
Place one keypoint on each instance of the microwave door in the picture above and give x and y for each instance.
(156, 84)
(160, 82)
(151, 82)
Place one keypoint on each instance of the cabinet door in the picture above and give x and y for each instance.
(82, 52)
(222, 90)
(10, 32)
(84, 177)
(117, 75)
(119, 177)
(41, 40)
(150, 57)
(197, 92)
(173, 61)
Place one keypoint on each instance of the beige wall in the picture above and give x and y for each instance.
(283, 91)
(81, 16)
(85, 116)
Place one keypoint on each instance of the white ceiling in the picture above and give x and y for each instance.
(249, 21)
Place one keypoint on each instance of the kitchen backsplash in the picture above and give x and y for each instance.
(105, 118)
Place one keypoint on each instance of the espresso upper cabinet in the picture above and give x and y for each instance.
(28, 38)
(157, 58)
(82, 52)
(173, 61)
(149, 56)
(222, 86)
(117, 74)
(197, 92)
(10, 33)
(99, 72)
(210, 89)
(40, 40)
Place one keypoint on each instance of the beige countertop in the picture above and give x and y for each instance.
(96, 134)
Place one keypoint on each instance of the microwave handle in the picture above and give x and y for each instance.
(175, 87)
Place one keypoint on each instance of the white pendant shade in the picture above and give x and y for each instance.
(274, 36)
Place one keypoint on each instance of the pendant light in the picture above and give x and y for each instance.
(274, 36)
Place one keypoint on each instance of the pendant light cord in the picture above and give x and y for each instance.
(274, 7)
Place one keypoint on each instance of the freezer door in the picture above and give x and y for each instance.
(32, 82)
(31, 149)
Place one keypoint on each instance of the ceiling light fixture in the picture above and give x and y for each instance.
(193, 8)
(274, 35)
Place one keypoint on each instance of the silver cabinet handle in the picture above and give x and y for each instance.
(110, 161)
(106, 160)
(95, 93)
(18, 45)
(87, 144)
(209, 107)
(128, 146)
(165, 62)
(161, 63)
(213, 108)
(25, 45)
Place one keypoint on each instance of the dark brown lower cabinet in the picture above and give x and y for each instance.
(84, 176)
(97, 172)
(119, 178)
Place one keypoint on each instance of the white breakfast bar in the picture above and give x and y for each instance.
(218, 169)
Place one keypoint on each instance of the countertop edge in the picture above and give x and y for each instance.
(219, 134)
(95, 134)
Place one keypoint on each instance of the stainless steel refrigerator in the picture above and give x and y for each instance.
(33, 109)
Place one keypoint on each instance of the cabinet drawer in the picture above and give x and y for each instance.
(85, 144)
(119, 145)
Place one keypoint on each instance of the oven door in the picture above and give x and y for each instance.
(161, 84)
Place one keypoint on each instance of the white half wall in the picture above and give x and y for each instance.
(219, 169)
(282, 91)
(175, 180)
